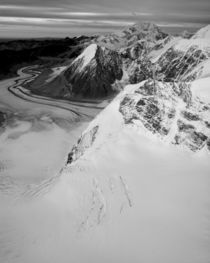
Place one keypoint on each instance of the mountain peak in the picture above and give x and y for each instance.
(146, 30)
(93, 73)
(145, 26)
(87, 55)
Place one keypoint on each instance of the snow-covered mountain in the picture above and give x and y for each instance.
(132, 55)
(173, 58)
(178, 62)
(94, 72)
(146, 32)
(169, 112)
(91, 75)
(139, 176)
(136, 186)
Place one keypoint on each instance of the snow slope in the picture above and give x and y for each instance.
(202, 70)
(126, 196)
(128, 193)
(201, 88)
(87, 55)
(203, 33)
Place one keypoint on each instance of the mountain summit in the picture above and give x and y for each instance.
(145, 30)
(94, 72)
(132, 34)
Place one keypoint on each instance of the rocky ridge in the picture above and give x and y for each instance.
(162, 100)
(162, 66)
(170, 111)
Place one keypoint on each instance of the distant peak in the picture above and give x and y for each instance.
(144, 26)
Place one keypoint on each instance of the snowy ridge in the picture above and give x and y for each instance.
(87, 55)
(136, 185)
(170, 58)
(202, 70)
(156, 54)
(185, 44)
(56, 72)
(168, 111)
(203, 33)
(134, 176)
(94, 73)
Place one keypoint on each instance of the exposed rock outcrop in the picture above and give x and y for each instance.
(2, 118)
(177, 64)
(85, 142)
(169, 111)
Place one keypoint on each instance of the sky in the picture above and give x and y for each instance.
(61, 18)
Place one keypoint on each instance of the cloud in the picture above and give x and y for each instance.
(62, 22)
(100, 14)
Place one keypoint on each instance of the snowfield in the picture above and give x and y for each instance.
(128, 197)
(135, 188)
(87, 55)
(203, 33)
(201, 89)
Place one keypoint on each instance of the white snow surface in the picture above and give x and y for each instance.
(203, 33)
(56, 71)
(185, 44)
(129, 198)
(87, 55)
(201, 89)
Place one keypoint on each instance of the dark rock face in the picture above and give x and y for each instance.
(148, 89)
(175, 64)
(207, 124)
(2, 118)
(146, 105)
(136, 56)
(208, 144)
(190, 116)
(142, 71)
(134, 52)
(96, 78)
(85, 142)
(58, 88)
(156, 106)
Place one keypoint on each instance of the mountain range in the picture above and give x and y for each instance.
(135, 186)
(142, 165)
(164, 69)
